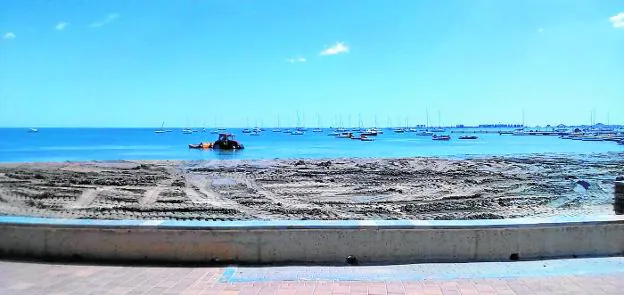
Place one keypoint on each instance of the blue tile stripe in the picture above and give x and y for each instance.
(227, 274)
(316, 224)
(429, 271)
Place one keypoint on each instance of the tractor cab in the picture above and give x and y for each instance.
(227, 141)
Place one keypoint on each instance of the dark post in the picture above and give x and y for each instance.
(618, 205)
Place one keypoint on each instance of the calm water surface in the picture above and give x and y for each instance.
(74, 144)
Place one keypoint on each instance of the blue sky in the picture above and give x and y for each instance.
(137, 63)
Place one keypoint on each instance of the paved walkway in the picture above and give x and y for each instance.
(568, 276)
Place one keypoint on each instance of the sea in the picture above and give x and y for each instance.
(85, 144)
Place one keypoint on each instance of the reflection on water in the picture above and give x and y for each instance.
(227, 154)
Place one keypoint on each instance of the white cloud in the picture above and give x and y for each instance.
(61, 26)
(9, 35)
(293, 60)
(337, 48)
(109, 18)
(617, 20)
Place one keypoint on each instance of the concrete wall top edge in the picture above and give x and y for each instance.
(314, 224)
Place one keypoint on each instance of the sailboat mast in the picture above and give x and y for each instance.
(439, 120)
(427, 113)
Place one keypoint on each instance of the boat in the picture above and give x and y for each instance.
(424, 133)
(162, 128)
(441, 137)
(399, 130)
(33, 130)
(246, 130)
(592, 139)
(345, 135)
(214, 131)
(187, 131)
(278, 126)
(297, 132)
(362, 138)
(318, 129)
(254, 133)
(369, 132)
(201, 145)
(469, 137)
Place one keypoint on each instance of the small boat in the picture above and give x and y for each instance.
(424, 133)
(591, 139)
(399, 130)
(201, 145)
(162, 128)
(317, 130)
(370, 132)
(363, 138)
(33, 130)
(296, 132)
(468, 137)
(277, 130)
(246, 130)
(441, 137)
(187, 131)
(345, 135)
(214, 132)
(254, 133)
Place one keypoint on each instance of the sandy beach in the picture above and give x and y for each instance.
(410, 188)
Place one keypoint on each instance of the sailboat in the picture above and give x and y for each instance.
(299, 130)
(278, 125)
(318, 129)
(439, 129)
(247, 130)
(162, 128)
(33, 130)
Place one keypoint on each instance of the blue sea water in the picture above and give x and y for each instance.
(82, 144)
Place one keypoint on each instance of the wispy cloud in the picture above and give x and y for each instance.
(9, 35)
(337, 48)
(109, 19)
(61, 26)
(298, 59)
(617, 20)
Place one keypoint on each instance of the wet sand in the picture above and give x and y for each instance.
(411, 188)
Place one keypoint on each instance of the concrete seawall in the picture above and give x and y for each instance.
(385, 241)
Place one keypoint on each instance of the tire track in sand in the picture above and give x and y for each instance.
(151, 195)
(199, 190)
(85, 199)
